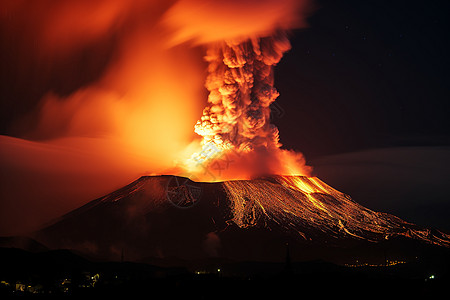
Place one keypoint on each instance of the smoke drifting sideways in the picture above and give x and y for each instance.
(136, 117)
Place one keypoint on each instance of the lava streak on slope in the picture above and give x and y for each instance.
(309, 206)
(248, 220)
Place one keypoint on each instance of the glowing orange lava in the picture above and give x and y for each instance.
(309, 206)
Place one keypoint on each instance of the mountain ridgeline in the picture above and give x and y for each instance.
(169, 217)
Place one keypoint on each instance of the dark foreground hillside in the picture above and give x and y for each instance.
(63, 273)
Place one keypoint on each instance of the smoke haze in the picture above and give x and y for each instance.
(122, 85)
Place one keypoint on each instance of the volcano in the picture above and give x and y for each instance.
(161, 217)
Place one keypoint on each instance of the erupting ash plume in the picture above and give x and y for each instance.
(237, 120)
(240, 83)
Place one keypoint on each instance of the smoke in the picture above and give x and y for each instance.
(241, 89)
(61, 27)
(123, 83)
(240, 82)
(210, 21)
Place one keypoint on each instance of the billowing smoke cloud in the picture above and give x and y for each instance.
(237, 119)
(135, 115)
(240, 82)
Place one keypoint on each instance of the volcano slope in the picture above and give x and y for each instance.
(169, 217)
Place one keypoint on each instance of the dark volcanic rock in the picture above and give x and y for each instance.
(168, 216)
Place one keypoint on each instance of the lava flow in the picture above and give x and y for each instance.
(307, 204)
(167, 216)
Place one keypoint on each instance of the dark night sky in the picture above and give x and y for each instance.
(367, 74)
(364, 94)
